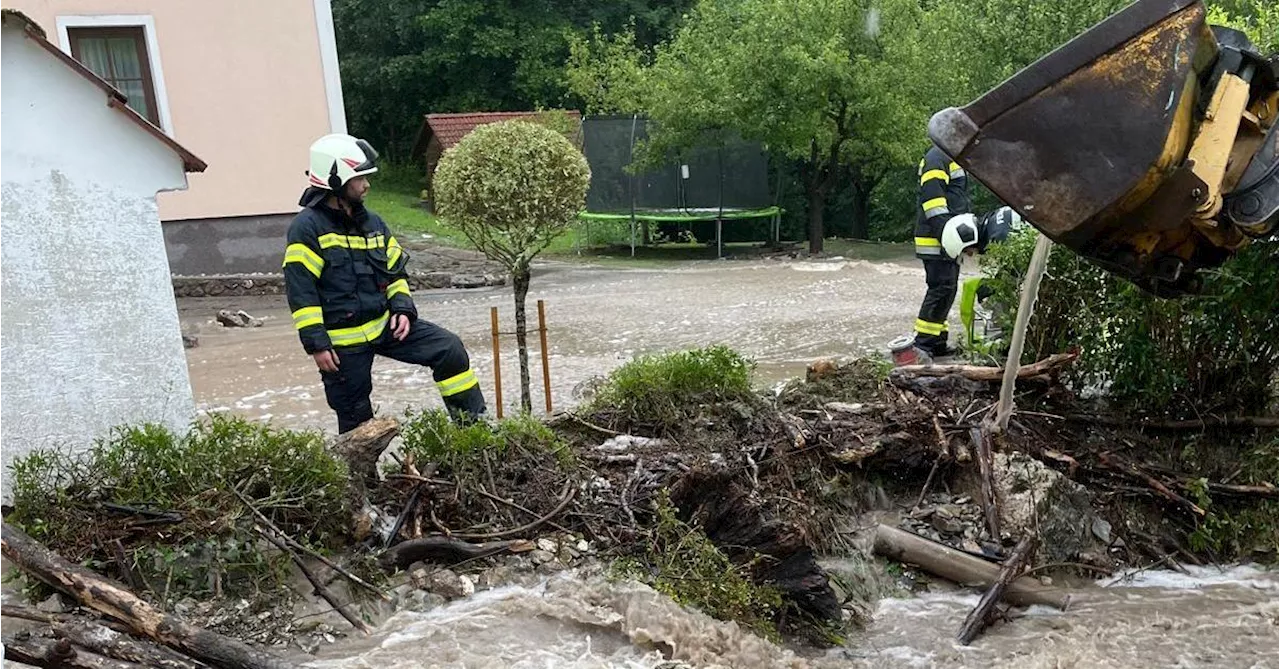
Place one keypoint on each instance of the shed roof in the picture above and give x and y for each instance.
(115, 99)
(449, 129)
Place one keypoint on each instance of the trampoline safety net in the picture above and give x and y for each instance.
(709, 182)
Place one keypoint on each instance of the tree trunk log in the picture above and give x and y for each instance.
(360, 448)
(981, 615)
(95, 592)
(58, 654)
(977, 373)
(961, 568)
(520, 285)
(110, 643)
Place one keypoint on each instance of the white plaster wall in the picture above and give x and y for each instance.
(89, 334)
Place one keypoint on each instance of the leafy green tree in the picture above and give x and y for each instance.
(512, 188)
(817, 82)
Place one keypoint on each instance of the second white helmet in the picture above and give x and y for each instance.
(959, 233)
(337, 159)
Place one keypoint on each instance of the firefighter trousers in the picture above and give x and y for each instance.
(347, 390)
(942, 276)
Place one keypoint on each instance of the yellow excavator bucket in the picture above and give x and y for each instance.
(1147, 144)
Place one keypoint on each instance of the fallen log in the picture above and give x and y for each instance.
(107, 642)
(961, 568)
(58, 654)
(446, 551)
(979, 373)
(981, 615)
(97, 593)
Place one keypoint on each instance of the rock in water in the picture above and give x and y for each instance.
(1034, 496)
(448, 584)
(239, 319)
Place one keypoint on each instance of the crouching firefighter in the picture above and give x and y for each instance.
(943, 194)
(348, 290)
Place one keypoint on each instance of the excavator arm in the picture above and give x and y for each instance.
(1147, 144)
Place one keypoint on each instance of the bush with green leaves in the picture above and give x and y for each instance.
(430, 436)
(664, 386)
(176, 502)
(1213, 352)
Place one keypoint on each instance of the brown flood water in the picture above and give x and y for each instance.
(783, 314)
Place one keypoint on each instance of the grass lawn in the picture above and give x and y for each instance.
(600, 242)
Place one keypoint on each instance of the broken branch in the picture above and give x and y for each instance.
(981, 615)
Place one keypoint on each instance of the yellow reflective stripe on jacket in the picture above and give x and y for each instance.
(333, 239)
(308, 316)
(299, 253)
(930, 328)
(928, 241)
(360, 334)
(956, 170)
(393, 252)
(928, 246)
(935, 174)
(934, 207)
(398, 287)
(457, 383)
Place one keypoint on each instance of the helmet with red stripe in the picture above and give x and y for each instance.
(337, 159)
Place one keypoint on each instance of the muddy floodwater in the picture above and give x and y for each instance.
(783, 314)
(1207, 618)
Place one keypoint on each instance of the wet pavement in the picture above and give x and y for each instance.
(783, 314)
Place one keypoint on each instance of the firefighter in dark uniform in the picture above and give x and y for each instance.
(944, 193)
(348, 290)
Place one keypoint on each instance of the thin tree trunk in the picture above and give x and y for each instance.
(520, 282)
(1026, 305)
(863, 186)
(816, 204)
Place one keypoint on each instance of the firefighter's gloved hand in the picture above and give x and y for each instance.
(400, 326)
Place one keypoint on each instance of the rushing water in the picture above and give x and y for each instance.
(1207, 618)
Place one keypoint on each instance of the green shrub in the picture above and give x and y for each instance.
(1212, 352)
(663, 385)
(79, 504)
(430, 436)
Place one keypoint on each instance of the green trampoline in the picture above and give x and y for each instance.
(719, 182)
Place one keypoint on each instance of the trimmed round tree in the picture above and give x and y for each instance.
(512, 188)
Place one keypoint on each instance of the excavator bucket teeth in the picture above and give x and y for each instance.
(1090, 142)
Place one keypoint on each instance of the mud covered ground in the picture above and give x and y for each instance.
(782, 313)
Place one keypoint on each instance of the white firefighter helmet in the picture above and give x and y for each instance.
(959, 233)
(337, 159)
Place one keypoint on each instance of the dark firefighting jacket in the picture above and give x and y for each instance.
(944, 192)
(344, 276)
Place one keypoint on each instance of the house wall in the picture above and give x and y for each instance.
(249, 85)
(90, 336)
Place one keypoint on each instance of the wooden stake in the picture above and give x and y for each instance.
(497, 361)
(546, 371)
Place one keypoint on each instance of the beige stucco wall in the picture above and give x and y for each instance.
(245, 89)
